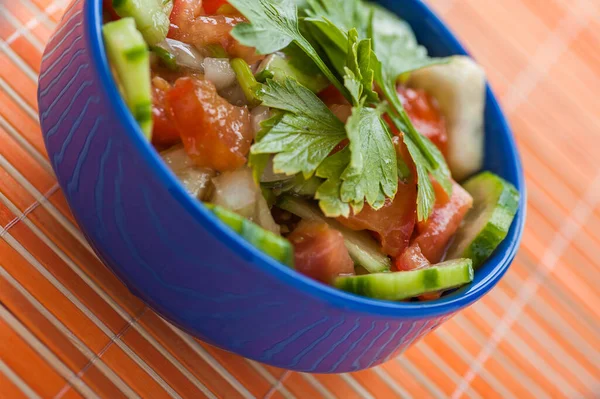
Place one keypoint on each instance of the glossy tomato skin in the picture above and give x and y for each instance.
(320, 252)
(411, 259)
(434, 234)
(394, 223)
(425, 115)
(211, 6)
(215, 134)
(190, 25)
(164, 132)
(108, 8)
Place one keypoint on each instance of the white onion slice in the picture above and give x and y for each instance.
(185, 54)
(219, 72)
(238, 192)
(257, 116)
(197, 181)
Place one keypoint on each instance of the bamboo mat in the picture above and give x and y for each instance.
(69, 329)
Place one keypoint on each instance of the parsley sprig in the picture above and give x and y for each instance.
(347, 47)
(273, 26)
(305, 135)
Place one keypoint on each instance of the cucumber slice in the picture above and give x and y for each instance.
(273, 245)
(495, 203)
(362, 248)
(151, 17)
(278, 68)
(130, 58)
(401, 285)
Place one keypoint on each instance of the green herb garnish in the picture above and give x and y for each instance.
(344, 43)
(305, 135)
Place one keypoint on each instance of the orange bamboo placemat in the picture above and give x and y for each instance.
(69, 329)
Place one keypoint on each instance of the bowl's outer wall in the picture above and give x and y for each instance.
(141, 228)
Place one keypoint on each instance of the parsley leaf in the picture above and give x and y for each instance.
(366, 170)
(373, 172)
(359, 71)
(331, 40)
(305, 135)
(273, 26)
(328, 193)
(425, 192)
(346, 14)
(396, 45)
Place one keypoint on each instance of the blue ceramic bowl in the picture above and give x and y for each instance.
(189, 267)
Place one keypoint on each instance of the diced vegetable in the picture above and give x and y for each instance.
(459, 88)
(435, 233)
(167, 58)
(151, 17)
(362, 248)
(246, 80)
(211, 6)
(273, 245)
(130, 58)
(219, 72)
(238, 192)
(411, 259)
(215, 133)
(190, 25)
(277, 67)
(402, 285)
(164, 132)
(180, 54)
(496, 202)
(197, 181)
(319, 252)
(425, 115)
(393, 224)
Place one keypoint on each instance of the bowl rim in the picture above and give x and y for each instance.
(445, 306)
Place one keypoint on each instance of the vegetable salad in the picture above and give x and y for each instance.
(322, 133)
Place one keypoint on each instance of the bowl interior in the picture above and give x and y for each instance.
(501, 157)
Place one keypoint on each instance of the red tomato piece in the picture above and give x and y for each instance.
(108, 8)
(425, 115)
(435, 233)
(215, 134)
(411, 259)
(393, 224)
(164, 133)
(190, 26)
(331, 95)
(211, 6)
(320, 252)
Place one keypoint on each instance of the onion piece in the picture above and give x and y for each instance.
(185, 54)
(219, 72)
(269, 175)
(238, 192)
(257, 116)
(197, 181)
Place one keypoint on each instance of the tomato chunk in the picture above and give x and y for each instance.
(215, 134)
(211, 6)
(108, 8)
(189, 25)
(164, 133)
(435, 233)
(393, 224)
(320, 252)
(411, 259)
(425, 115)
